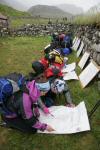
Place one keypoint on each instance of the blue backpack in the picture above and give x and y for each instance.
(66, 51)
(6, 89)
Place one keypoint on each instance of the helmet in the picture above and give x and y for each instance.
(38, 67)
(58, 86)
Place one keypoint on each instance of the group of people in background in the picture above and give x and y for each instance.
(21, 97)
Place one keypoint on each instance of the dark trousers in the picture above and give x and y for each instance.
(19, 124)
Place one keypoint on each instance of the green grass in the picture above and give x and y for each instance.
(9, 11)
(20, 22)
(38, 21)
(16, 54)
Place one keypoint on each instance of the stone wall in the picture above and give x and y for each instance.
(39, 30)
(91, 37)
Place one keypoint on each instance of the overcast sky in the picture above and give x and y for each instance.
(85, 4)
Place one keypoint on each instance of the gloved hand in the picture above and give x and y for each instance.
(46, 110)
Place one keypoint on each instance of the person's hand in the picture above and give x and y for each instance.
(43, 93)
(46, 110)
(49, 128)
(71, 105)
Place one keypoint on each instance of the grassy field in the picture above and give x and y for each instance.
(79, 20)
(18, 22)
(16, 54)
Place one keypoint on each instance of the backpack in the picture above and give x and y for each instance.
(6, 89)
(9, 85)
(53, 71)
(66, 51)
(58, 58)
(67, 42)
(17, 80)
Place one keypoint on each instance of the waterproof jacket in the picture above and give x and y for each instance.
(25, 105)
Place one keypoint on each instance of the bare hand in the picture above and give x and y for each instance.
(43, 93)
(71, 105)
(49, 128)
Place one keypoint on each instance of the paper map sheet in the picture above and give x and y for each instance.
(70, 76)
(66, 120)
(69, 67)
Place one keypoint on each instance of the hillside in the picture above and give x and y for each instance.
(69, 8)
(16, 4)
(95, 9)
(48, 11)
(9, 11)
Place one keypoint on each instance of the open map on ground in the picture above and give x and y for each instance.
(66, 120)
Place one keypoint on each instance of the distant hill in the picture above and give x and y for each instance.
(95, 9)
(72, 9)
(48, 11)
(9, 11)
(14, 4)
